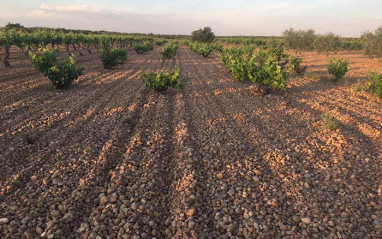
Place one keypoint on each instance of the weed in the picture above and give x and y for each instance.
(130, 122)
(313, 74)
(375, 84)
(328, 122)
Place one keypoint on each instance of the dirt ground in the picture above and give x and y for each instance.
(110, 159)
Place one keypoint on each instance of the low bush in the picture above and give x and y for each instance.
(295, 64)
(231, 57)
(60, 73)
(338, 67)
(267, 71)
(262, 67)
(169, 50)
(374, 84)
(218, 47)
(112, 56)
(276, 48)
(161, 42)
(143, 47)
(161, 81)
(203, 49)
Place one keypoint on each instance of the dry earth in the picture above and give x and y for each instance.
(110, 159)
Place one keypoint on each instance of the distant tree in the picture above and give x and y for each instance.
(203, 35)
(372, 43)
(291, 39)
(16, 26)
(301, 40)
(328, 43)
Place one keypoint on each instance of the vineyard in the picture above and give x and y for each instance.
(107, 135)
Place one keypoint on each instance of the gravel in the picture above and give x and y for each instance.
(214, 160)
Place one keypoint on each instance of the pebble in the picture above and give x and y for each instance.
(231, 227)
(103, 200)
(306, 185)
(190, 212)
(231, 167)
(4, 220)
(306, 220)
(120, 183)
(28, 235)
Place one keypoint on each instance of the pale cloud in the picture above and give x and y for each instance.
(8, 16)
(70, 8)
(49, 11)
(39, 14)
(244, 17)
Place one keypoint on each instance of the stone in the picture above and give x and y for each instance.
(4, 220)
(306, 220)
(103, 200)
(231, 227)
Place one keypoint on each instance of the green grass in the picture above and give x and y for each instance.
(130, 122)
(313, 74)
(328, 122)
(49, 88)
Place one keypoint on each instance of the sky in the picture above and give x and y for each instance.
(348, 18)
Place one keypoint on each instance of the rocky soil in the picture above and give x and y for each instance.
(110, 159)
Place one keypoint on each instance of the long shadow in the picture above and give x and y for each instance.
(251, 151)
(142, 168)
(364, 177)
(29, 69)
(199, 165)
(56, 125)
(84, 105)
(238, 135)
(79, 91)
(125, 173)
(102, 176)
(17, 94)
(37, 95)
(365, 139)
(105, 170)
(29, 166)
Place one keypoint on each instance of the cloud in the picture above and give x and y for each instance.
(245, 17)
(91, 17)
(70, 8)
(39, 14)
(49, 11)
(8, 16)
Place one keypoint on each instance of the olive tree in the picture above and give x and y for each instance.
(372, 43)
(328, 43)
(301, 40)
(203, 35)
